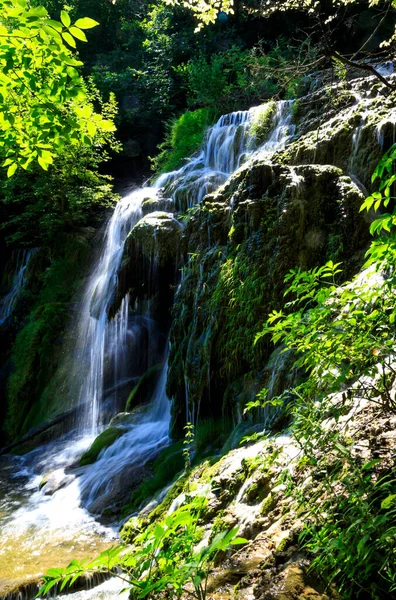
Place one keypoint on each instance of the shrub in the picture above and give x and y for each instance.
(184, 136)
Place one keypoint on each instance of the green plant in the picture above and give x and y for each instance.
(164, 558)
(341, 333)
(43, 98)
(183, 137)
(343, 337)
(188, 445)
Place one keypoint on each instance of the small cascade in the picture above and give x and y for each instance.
(144, 437)
(227, 146)
(7, 304)
(283, 128)
(387, 128)
(222, 153)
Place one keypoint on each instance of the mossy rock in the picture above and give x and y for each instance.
(125, 419)
(145, 387)
(104, 440)
(149, 266)
(150, 205)
(157, 236)
(262, 122)
(268, 504)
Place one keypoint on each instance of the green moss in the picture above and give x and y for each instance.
(130, 530)
(104, 440)
(262, 122)
(268, 504)
(143, 390)
(184, 137)
(284, 544)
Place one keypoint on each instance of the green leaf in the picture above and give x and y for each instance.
(43, 163)
(371, 464)
(69, 39)
(55, 25)
(11, 169)
(86, 23)
(239, 540)
(77, 33)
(65, 18)
(389, 501)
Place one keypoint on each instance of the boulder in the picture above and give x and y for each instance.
(104, 440)
(149, 267)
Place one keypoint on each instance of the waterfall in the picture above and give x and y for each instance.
(283, 128)
(101, 339)
(7, 304)
(106, 343)
(107, 358)
(225, 149)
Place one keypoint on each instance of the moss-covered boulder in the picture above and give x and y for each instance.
(238, 245)
(150, 205)
(103, 441)
(149, 267)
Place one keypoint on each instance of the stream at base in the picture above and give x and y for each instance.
(48, 502)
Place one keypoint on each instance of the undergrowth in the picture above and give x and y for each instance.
(344, 338)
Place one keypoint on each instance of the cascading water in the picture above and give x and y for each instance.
(33, 521)
(99, 338)
(7, 304)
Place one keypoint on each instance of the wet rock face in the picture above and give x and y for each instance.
(267, 219)
(150, 205)
(348, 124)
(149, 266)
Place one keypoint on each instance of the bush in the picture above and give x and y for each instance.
(184, 136)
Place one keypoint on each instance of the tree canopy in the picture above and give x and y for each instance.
(44, 102)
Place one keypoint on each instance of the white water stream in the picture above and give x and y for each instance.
(7, 304)
(57, 527)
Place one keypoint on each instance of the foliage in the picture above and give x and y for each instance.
(40, 205)
(188, 445)
(349, 515)
(344, 339)
(38, 342)
(329, 19)
(206, 12)
(44, 104)
(281, 70)
(340, 334)
(239, 77)
(383, 228)
(184, 136)
(164, 558)
(218, 78)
